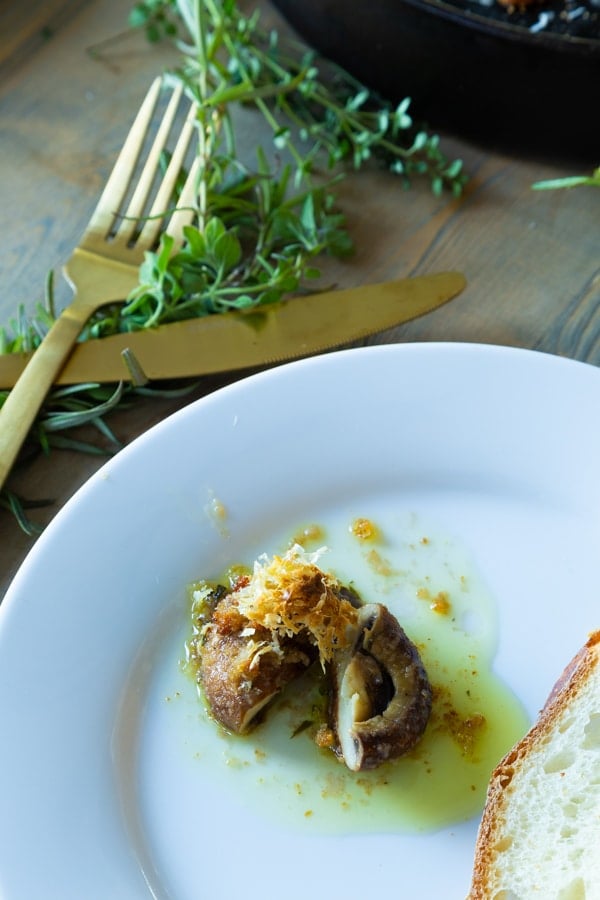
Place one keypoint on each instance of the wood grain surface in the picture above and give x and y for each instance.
(531, 258)
(24, 27)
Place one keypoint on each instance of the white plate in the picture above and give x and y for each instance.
(108, 787)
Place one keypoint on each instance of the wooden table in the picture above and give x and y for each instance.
(531, 258)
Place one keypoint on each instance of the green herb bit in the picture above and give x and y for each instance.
(570, 181)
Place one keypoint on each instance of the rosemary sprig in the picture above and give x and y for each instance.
(259, 226)
(18, 507)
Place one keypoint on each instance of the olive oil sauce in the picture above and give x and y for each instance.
(430, 584)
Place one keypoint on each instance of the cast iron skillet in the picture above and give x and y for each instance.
(467, 72)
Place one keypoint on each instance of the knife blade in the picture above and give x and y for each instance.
(238, 340)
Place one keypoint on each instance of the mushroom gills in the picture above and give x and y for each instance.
(381, 693)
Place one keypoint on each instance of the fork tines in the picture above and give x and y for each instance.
(140, 198)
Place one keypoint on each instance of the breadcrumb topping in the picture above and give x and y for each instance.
(290, 595)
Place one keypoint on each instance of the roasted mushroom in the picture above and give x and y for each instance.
(241, 675)
(381, 697)
(254, 639)
(266, 631)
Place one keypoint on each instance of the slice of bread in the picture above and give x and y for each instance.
(540, 831)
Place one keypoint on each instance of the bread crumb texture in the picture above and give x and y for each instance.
(540, 831)
(289, 595)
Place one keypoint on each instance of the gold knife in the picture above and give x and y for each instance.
(239, 340)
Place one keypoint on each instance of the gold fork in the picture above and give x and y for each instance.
(104, 266)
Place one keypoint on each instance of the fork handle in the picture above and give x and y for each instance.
(20, 408)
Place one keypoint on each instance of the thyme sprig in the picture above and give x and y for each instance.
(260, 225)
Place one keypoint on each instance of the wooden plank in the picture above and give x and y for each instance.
(26, 26)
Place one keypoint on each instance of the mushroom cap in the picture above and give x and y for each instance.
(381, 693)
(238, 685)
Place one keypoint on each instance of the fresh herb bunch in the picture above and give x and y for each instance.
(259, 225)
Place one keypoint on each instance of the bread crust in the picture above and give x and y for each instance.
(565, 690)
